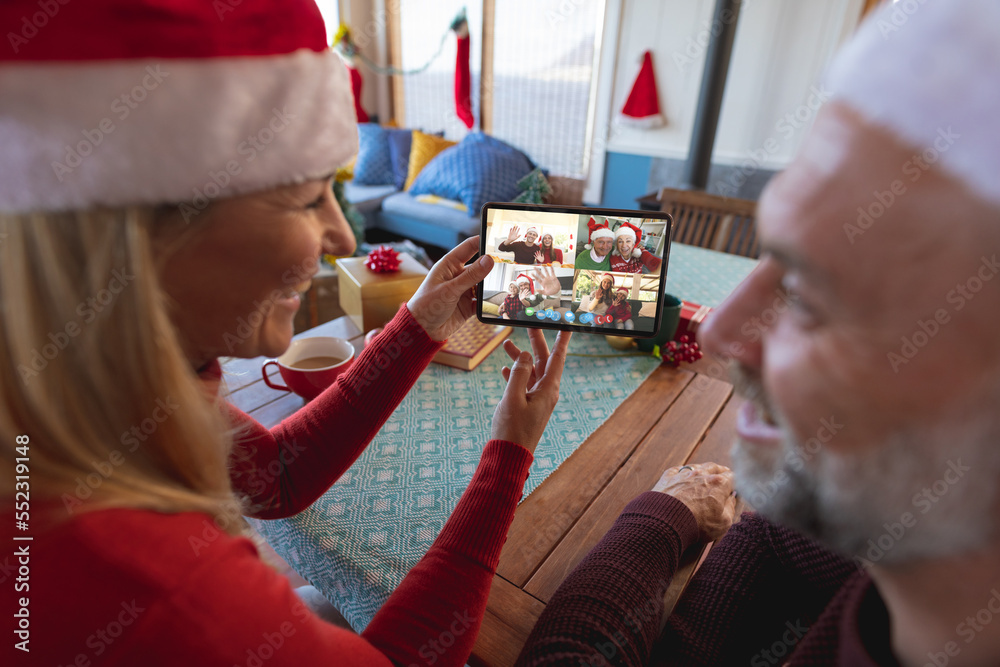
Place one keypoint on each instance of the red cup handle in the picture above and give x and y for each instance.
(267, 380)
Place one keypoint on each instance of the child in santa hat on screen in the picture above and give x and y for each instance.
(628, 255)
(520, 294)
(621, 311)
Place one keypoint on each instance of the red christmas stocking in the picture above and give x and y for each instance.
(356, 88)
(463, 83)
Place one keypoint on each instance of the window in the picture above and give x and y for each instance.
(429, 97)
(330, 9)
(543, 67)
(542, 99)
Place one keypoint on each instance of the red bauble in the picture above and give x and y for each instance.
(383, 259)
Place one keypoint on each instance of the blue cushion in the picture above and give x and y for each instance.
(400, 142)
(479, 169)
(373, 166)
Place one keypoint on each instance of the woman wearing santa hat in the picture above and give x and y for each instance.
(548, 254)
(166, 195)
(602, 297)
(628, 255)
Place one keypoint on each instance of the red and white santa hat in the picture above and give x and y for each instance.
(622, 290)
(607, 276)
(531, 229)
(121, 102)
(597, 232)
(631, 231)
(524, 279)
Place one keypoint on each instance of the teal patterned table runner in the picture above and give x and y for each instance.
(357, 542)
(705, 277)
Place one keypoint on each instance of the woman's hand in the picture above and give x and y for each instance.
(538, 257)
(532, 390)
(513, 234)
(707, 490)
(446, 298)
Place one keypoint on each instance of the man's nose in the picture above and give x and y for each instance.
(728, 331)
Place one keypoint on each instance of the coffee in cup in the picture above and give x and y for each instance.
(310, 365)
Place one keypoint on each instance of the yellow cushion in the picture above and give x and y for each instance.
(346, 173)
(491, 309)
(423, 150)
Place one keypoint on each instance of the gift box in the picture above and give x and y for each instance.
(372, 299)
(692, 315)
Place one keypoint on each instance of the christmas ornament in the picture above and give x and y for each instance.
(621, 343)
(642, 108)
(684, 349)
(383, 259)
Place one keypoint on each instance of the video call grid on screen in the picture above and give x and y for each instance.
(614, 292)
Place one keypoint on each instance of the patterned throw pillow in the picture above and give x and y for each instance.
(373, 166)
(425, 147)
(479, 169)
(400, 142)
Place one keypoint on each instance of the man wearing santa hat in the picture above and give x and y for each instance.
(629, 256)
(596, 254)
(868, 436)
(524, 251)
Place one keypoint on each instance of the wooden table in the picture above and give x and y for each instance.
(676, 416)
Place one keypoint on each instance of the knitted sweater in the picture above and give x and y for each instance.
(137, 587)
(764, 596)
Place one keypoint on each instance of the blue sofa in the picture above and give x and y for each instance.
(386, 208)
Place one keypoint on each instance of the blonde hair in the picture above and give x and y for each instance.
(93, 372)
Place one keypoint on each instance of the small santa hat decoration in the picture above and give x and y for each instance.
(597, 232)
(642, 108)
(132, 102)
(633, 232)
(524, 279)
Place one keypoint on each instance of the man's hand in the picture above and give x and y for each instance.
(446, 298)
(513, 234)
(707, 490)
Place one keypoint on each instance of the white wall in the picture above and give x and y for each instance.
(782, 48)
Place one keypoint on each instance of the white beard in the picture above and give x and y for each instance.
(851, 502)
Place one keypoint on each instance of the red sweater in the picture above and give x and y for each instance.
(132, 587)
(764, 596)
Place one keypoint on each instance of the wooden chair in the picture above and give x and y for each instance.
(709, 221)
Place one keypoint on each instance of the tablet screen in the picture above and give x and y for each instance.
(578, 268)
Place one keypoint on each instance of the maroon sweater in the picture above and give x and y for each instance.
(765, 595)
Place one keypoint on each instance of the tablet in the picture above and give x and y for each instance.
(574, 268)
